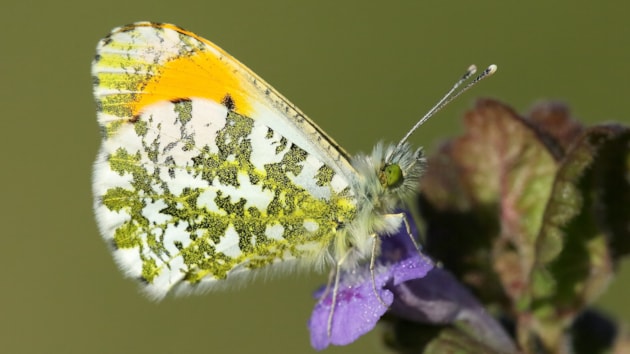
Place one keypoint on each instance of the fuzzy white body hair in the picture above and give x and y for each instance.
(378, 203)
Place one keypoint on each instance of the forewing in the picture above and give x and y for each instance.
(205, 174)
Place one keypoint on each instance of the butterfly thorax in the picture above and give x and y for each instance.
(388, 179)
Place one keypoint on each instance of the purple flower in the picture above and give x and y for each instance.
(410, 288)
(357, 307)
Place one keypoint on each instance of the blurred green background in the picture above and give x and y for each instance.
(362, 70)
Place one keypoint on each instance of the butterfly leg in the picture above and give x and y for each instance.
(375, 244)
(335, 292)
(329, 284)
(403, 216)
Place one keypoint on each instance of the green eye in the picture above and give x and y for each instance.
(391, 176)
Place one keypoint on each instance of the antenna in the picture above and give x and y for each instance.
(451, 95)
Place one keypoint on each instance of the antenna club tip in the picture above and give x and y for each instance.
(451, 95)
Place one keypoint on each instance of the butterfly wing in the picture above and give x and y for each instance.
(206, 174)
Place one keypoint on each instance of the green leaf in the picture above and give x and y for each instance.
(586, 213)
(531, 213)
(486, 192)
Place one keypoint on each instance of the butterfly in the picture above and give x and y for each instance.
(207, 176)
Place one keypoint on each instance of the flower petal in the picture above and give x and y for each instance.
(356, 312)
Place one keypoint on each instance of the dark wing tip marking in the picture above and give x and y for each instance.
(106, 41)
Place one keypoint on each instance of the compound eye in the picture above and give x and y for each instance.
(391, 176)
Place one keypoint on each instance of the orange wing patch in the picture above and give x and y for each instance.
(202, 75)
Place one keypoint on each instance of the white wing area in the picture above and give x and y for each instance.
(303, 131)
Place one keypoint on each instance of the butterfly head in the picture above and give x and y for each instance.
(401, 169)
(390, 175)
